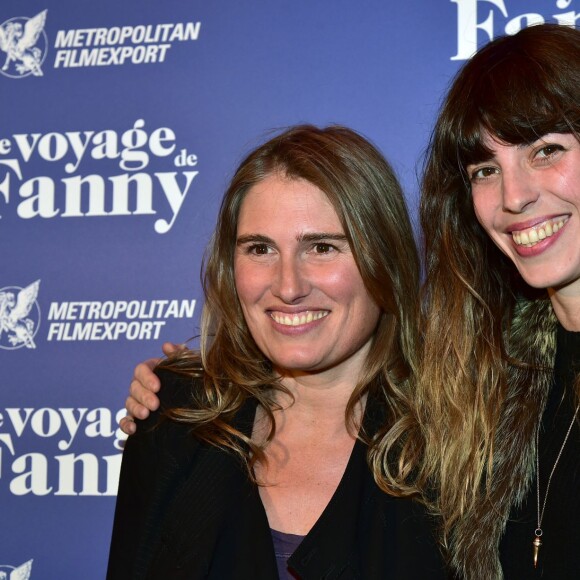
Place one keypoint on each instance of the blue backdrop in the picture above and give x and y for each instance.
(121, 123)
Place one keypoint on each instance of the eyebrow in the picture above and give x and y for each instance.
(310, 237)
(253, 238)
(318, 237)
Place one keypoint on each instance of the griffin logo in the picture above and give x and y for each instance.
(25, 44)
(22, 572)
(19, 317)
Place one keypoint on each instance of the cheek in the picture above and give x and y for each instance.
(241, 289)
(240, 281)
(483, 213)
(348, 286)
(573, 188)
(249, 284)
(338, 281)
(371, 312)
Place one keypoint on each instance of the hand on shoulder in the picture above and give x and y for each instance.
(143, 390)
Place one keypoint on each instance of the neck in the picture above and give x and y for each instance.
(324, 392)
(315, 404)
(566, 304)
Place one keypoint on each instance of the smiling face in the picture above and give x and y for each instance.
(527, 198)
(301, 292)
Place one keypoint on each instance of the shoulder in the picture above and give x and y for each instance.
(177, 391)
(158, 438)
(158, 433)
(177, 388)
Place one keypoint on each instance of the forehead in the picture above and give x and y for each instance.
(495, 145)
(492, 143)
(482, 148)
(291, 204)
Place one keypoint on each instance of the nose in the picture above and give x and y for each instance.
(519, 190)
(290, 282)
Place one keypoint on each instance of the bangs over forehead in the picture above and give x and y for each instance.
(516, 89)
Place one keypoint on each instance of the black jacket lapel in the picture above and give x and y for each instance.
(192, 523)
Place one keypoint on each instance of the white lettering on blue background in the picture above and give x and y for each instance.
(493, 18)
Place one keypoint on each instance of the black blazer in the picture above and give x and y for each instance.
(189, 510)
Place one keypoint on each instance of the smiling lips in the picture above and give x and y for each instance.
(531, 236)
(298, 319)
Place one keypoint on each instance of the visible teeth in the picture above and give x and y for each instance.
(298, 319)
(534, 235)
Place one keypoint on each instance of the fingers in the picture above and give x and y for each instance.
(145, 375)
(128, 425)
(135, 409)
(170, 348)
(142, 397)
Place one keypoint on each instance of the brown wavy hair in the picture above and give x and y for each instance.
(369, 202)
(516, 89)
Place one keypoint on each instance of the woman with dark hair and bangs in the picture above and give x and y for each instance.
(499, 387)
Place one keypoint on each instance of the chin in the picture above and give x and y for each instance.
(297, 364)
(542, 280)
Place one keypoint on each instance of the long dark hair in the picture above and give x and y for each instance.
(516, 89)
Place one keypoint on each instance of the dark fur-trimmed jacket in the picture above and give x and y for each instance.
(532, 338)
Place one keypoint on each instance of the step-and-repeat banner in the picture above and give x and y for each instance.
(120, 125)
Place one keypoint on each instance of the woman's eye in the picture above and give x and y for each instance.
(549, 150)
(258, 249)
(483, 172)
(322, 248)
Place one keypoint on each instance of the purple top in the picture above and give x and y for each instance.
(284, 547)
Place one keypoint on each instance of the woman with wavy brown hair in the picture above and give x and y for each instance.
(276, 443)
(498, 394)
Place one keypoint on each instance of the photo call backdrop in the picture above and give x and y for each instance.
(121, 124)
